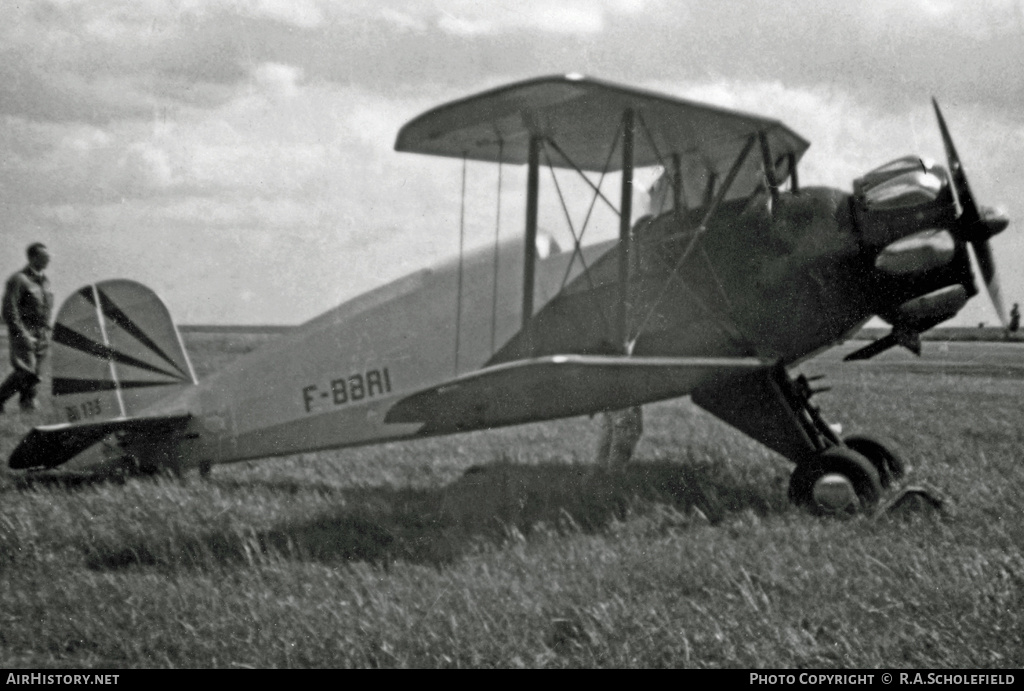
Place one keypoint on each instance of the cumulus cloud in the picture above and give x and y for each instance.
(570, 18)
(404, 21)
(144, 168)
(211, 214)
(462, 26)
(555, 17)
(145, 125)
(301, 13)
(278, 80)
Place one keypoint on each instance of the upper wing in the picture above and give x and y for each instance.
(583, 115)
(51, 445)
(559, 386)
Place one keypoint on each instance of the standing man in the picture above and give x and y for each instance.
(27, 304)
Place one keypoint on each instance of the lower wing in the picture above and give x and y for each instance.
(559, 386)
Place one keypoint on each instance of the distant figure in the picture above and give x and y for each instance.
(620, 433)
(27, 303)
(1014, 319)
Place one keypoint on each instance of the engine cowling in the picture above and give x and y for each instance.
(917, 253)
(902, 197)
(926, 311)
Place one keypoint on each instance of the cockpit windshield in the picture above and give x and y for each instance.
(702, 183)
(901, 184)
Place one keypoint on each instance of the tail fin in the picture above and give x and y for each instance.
(115, 353)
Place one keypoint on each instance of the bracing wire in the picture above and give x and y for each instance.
(577, 240)
(598, 194)
(657, 154)
(695, 239)
(583, 175)
(650, 140)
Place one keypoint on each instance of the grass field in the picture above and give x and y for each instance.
(397, 556)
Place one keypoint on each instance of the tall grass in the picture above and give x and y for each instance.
(509, 548)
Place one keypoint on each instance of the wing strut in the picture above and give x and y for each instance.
(769, 169)
(794, 181)
(497, 247)
(625, 226)
(625, 212)
(458, 290)
(530, 246)
(677, 184)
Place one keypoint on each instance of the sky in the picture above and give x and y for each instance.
(237, 155)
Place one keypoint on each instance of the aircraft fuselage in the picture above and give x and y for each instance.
(778, 283)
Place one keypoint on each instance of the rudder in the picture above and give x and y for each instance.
(116, 351)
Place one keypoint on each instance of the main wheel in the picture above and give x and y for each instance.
(838, 480)
(887, 462)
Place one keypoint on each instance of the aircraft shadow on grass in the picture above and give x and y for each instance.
(487, 507)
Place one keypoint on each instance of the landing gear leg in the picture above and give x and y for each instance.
(831, 475)
(837, 478)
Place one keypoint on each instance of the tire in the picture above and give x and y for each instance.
(887, 461)
(842, 461)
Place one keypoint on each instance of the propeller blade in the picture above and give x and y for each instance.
(972, 226)
(987, 266)
(969, 214)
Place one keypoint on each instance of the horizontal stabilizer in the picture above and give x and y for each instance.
(51, 445)
(559, 386)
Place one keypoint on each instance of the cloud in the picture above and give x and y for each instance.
(570, 18)
(64, 96)
(305, 14)
(254, 213)
(265, 127)
(144, 167)
(556, 17)
(404, 21)
(277, 80)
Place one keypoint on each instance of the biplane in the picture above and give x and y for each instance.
(736, 275)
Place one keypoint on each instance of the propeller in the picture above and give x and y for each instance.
(974, 225)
